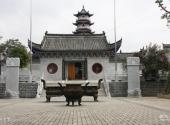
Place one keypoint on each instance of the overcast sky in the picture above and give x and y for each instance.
(138, 21)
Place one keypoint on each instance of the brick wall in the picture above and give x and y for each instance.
(2, 90)
(148, 88)
(118, 89)
(28, 90)
(152, 88)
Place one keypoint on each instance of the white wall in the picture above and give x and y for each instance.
(108, 71)
(90, 73)
(52, 77)
(121, 73)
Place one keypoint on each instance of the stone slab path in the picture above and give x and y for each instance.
(108, 111)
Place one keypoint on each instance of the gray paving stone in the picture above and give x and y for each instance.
(114, 111)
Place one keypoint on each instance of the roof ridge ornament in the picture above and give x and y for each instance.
(83, 10)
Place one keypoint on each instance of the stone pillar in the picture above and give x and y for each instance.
(12, 78)
(133, 76)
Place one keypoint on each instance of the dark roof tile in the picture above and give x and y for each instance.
(75, 42)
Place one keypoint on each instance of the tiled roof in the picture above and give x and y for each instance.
(83, 12)
(69, 42)
(74, 42)
(166, 45)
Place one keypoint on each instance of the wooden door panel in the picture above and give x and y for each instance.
(71, 71)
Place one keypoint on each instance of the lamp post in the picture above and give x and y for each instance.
(31, 36)
(1, 57)
(115, 41)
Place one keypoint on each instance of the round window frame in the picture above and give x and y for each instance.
(95, 66)
(52, 66)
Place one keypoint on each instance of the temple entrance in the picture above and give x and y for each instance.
(71, 71)
(74, 70)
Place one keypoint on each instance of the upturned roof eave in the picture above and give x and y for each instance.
(79, 13)
(111, 47)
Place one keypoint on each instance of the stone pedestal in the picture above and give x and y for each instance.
(12, 78)
(133, 76)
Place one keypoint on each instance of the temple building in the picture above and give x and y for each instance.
(82, 55)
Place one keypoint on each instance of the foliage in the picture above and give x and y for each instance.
(14, 48)
(152, 59)
(166, 14)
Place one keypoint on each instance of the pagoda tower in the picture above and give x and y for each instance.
(83, 22)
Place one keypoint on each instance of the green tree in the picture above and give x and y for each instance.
(152, 59)
(166, 14)
(15, 48)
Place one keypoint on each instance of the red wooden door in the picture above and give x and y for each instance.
(71, 72)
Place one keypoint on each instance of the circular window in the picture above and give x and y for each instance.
(52, 68)
(97, 68)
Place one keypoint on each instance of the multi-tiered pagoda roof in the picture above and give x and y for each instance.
(83, 22)
(82, 43)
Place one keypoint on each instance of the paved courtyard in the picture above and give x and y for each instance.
(108, 111)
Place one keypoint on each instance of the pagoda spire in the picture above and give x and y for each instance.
(83, 22)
